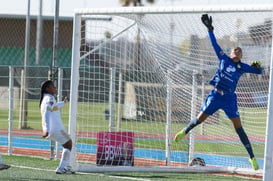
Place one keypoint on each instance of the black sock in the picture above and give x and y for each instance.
(244, 139)
(194, 122)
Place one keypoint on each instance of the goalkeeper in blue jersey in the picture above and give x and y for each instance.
(223, 95)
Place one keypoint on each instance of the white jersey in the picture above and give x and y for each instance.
(52, 120)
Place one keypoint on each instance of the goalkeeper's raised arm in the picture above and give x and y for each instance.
(207, 21)
(236, 53)
(223, 95)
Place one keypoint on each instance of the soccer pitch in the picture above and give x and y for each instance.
(202, 145)
(29, 168)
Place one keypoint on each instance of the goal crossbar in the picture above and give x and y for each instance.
(176, 9)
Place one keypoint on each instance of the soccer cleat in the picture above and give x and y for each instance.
(180, 135)
(65, 170)
(254, 163)
(4, 166)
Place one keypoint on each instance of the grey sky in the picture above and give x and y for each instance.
(67, 6)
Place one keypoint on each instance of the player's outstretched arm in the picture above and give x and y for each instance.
(207, 21)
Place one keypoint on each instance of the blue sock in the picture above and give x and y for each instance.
(194, 122)
(244, 139)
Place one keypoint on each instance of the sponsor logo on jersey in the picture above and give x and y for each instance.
(230, 68)
(55, 108)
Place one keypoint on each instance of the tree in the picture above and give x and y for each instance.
(134, 2)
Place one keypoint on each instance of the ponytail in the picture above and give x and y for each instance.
(45, 85)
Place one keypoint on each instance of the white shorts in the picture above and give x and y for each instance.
(60, 136)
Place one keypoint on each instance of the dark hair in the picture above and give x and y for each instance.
(44, 85)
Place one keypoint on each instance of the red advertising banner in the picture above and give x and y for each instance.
(115, 148)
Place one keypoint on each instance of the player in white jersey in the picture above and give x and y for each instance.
(52, 124)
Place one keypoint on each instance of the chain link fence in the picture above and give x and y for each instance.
(21, 76)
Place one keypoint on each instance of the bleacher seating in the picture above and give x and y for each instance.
(15, 56)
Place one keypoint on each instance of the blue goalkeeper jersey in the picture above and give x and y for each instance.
(228, 72)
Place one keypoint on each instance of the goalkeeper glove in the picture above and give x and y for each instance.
(256, 64)
(207, 21)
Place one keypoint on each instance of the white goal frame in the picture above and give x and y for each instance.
(268, 159)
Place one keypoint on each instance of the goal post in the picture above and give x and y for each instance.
(145, 71)
(268, 154)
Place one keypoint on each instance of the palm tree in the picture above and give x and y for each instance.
(134, 2)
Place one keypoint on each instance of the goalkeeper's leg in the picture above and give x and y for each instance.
(194, 122)
(209, 106)
(245, 141)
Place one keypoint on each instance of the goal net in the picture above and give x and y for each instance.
(139, 75)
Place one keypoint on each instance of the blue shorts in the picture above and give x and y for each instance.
(215, 101)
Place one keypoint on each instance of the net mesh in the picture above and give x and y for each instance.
(137, 70)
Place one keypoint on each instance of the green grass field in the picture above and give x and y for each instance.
(27, 169)
(97, 123)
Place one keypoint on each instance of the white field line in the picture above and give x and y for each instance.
(102, 175)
